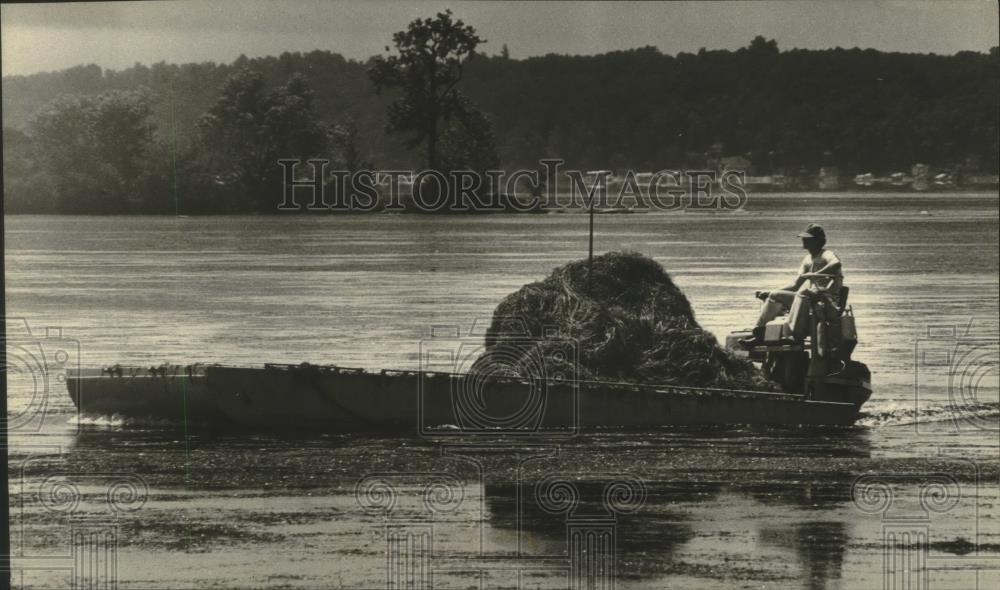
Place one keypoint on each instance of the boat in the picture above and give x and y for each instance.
(807, 353)
(330, 398)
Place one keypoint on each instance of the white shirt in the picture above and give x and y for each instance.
(817, 263)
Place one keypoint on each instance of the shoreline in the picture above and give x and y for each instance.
(687, 209)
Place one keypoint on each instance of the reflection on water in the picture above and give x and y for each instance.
(706, 506)
(820, 547)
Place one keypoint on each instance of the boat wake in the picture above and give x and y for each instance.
(903, 414)
(108, 421)
(116, 421)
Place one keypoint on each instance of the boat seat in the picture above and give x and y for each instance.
(845, 291)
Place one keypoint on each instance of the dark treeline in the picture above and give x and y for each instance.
(166, 138)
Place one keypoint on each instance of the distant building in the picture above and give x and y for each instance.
(599, 177)
(739, 163)
(866, 179)
(944, 180)
(921, 177)
(900, 179)
(829, 178)
(982, 180)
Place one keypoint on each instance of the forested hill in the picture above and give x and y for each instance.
(863, 110)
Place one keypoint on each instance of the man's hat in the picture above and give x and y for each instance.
(813, 231)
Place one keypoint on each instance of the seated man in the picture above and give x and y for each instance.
(819, 273)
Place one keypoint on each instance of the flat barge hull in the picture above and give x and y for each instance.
(332, 399)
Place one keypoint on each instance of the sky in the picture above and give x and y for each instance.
(116, 35)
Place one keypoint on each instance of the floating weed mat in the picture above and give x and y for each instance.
(627, 321)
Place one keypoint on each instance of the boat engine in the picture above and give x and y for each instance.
(808, 351)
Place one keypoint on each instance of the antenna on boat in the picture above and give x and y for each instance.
(590, 253)
(600, 184)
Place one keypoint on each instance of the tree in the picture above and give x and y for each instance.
(25, 184)
(467, 142)
(345, 140)
(764, 46)
(876, 112)
(430, 64)
(250, 128)
(122, 133)
(94, 148)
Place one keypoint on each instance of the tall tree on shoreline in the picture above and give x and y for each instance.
(94, 148)
(250, 127)
(430, 64)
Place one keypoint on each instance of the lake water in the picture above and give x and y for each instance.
(708, 508)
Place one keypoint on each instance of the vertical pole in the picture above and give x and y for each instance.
(590, 253)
